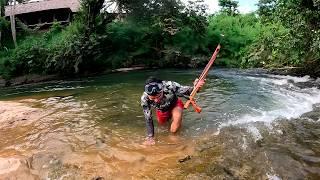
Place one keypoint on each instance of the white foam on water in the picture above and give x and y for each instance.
(254, 132)
(293, 78)
(273, 177)
(281, 80)
(49, 89)
(245, 144)
(290, 102)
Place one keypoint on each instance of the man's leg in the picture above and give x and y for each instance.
(176, 119)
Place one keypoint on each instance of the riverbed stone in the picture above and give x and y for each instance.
(14, 114)
(15, 168)
(314, 115)
(198, 176)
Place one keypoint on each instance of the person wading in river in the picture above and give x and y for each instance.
(163, 96)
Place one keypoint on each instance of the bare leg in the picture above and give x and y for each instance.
(176, 119)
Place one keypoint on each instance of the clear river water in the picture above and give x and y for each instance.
(253, 126)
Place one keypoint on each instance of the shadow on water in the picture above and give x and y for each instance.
(253, 126)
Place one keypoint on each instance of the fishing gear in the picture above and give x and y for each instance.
(196, 87)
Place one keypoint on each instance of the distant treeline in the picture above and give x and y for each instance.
(167, 33)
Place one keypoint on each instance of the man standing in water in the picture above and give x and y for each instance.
(163, 96)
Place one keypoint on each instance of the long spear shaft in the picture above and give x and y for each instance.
(201, 77)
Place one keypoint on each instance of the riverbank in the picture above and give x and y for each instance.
(35, 78)
(310, 68)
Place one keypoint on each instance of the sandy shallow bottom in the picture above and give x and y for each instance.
(37, 143)
(19, 113)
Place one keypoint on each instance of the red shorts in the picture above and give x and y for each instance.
(165, 116)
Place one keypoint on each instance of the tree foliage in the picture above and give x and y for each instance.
(167, 33)
(294, 37)
(151, 34)
(230, 7)
(239, 32)
(266, 10)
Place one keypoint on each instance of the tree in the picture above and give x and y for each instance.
(1, 4)
(229, 7)
(13, 22)
(195, 16)
(2, 20)
(147, 9)
(91, 11)
(293, 37)
(302, 18)
(266, 8)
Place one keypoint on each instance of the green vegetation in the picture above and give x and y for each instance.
(166, 33)
(291, 36)
(240, 31)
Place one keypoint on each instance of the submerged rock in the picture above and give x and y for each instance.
(14, 168)
(293, 71)
(98, 178)
(314, 115)
(9, 165)
(15, 113)
(184, 159)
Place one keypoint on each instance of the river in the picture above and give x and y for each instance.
(253, 126)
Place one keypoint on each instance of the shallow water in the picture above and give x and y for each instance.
(253, 126)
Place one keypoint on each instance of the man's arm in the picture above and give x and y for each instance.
(147, 115)
(180, 90)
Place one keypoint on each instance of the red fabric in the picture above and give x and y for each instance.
(165, 116)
